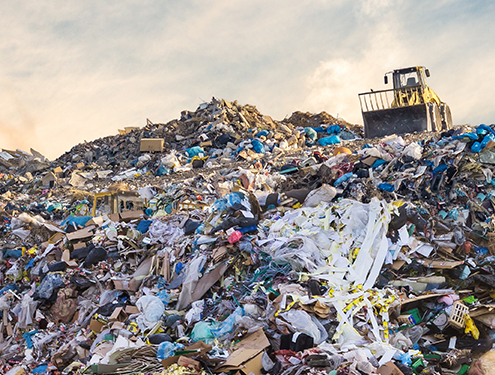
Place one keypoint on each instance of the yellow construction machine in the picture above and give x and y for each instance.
(411, 106)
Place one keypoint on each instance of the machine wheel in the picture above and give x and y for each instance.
(435, 117)
(446, 116)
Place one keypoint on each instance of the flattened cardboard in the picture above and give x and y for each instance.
(132, 283)
(442, 264)
(389, 368)
(253, 365)
(78, 245)
(81, 233)
(131, 215)
(114, 217)
(188, 362)
(125, 284)
(131, 310)
(245, 350)
(205, 283)
(56, 238)
(203, 349)
(103, 369)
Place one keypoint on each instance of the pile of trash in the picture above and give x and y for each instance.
(247, 245)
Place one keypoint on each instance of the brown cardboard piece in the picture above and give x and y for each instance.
(131, 310)
(442, 264)
(203, 284)
(118, 315)
(131, 215)
(369, 161)
(151, 145)
(253, 365)
(245, 351)
(389, 368)
(81, 233)
(56, 238)
(188, 362)
(96, 326)
(200, 345)
(132, 283)
(78, 245)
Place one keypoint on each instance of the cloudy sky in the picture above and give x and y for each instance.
(78, 70)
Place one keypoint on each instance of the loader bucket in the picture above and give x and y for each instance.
(400, 120)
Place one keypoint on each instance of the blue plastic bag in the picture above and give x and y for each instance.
(377, 163)
(343, 178)
(386, 187)
(167, 349)
(144, 225)
(334, 129)
(228, 324)
(262, 133)
(333, 139)
(194, 151)
(258, 146)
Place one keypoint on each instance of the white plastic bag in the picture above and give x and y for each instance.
(323, 194)
(152, 309)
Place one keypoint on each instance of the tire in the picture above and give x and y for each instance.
(446, 117)
(435, 117)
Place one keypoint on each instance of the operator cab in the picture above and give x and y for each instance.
(408, 77)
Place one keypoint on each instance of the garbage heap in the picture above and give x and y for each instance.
(322, 257)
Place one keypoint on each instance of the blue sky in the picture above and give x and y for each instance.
(72, 71)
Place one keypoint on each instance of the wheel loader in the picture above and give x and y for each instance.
(411, 106)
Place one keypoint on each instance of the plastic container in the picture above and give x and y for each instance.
(457, 317)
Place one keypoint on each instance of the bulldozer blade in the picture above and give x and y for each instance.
(400, 120)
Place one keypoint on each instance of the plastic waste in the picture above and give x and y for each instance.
(334, 139)
(343, 178)
(334, 129)
(228, 324)
(195, 151)
(311, 133)
(151, 309)
(303, 322)
(386, 187)
(235, 236)
(325, 193)
(258, 146)
(50, 284)
(170, 161)
(202, 332)
(167, 349)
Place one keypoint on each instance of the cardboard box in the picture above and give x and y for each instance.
(96, 326)
(130, 284)
(151, 145)
(119, 314)
(389, 368)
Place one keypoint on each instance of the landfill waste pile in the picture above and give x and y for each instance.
(228, 242)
